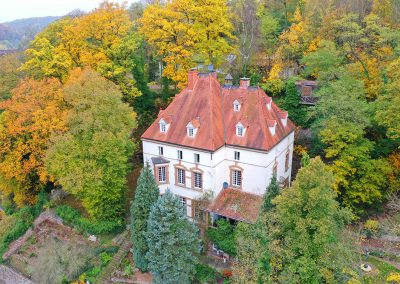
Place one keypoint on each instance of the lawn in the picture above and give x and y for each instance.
(380, 272)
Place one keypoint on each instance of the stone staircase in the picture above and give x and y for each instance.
(106, 273)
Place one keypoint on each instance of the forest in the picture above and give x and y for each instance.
(75, 102)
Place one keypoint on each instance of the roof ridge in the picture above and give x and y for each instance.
(261, 116)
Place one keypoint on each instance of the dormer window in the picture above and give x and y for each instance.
(272, 125)
(163, 126)
(190, 131)
(192, 127)
(268, 103)
(240, 130)
(236, 105)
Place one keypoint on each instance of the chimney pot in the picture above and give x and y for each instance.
(244, 83)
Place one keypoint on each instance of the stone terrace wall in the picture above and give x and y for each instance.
(10, 276)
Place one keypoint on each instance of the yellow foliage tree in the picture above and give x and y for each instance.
(183, 29)
(103, 40)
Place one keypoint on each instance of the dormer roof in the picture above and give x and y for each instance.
(209, 106)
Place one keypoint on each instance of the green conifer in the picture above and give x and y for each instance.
(172, 241)
(146, 195)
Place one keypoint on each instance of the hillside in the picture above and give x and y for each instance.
(17, 34)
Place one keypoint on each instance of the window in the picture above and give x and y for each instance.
(160, 150)
(199, 214)
(182, 201)
(197, 180)
(180, 155)
(197, 158)
(236, 178)
(163, 127)
(287, 161)
(236, 105)
(162, 174)
(237, 155)
(190, 131)
(180, 176)
(239, 131)
(275, 170)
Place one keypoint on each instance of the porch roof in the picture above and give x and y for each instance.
(237, 204)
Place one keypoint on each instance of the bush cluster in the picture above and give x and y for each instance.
(73, 218)
(23, 220)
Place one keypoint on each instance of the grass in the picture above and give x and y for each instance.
(380, 273)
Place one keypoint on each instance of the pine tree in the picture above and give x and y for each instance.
(291, 103)
(146, 195)
(271, 192)
(172, 242)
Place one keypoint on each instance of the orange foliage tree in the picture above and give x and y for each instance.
(30, 117)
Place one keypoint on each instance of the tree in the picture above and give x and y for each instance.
(9, 75)
(272, 191)
(252, 243)
(172, 241)
(146, 195)
(291, 103)
(31, 116)
(181, 30)
(223, 236)
(91, 159)
(102, 40)
(306, 226)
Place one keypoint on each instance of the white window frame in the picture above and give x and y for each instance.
(236, 178)
(190, 131)
(236, 155)
(180, 176)
(183, 201)
(160, 150)
(163, 127)
(162, 173)
(197, 180)
(180, 154)
(196, 158)
(239, 131)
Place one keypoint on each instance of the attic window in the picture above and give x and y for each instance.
(236, 105)
(240, 130)
(163, 126)
(191, 130)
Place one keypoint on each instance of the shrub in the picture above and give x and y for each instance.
(204, 273)
(223, 236)
(73, 218)
(371, 228)
(23, 219)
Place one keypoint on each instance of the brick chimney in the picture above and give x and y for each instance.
(244, 83)
(192, 78)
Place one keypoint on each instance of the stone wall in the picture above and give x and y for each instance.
(10, 276)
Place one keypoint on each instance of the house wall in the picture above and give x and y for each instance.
(256, 166)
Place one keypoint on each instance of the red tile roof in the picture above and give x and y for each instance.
(209, 106)
(236, 204)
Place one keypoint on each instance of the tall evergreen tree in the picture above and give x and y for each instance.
(291, 103)
(146, 195)
(172, 242)
(271, 192)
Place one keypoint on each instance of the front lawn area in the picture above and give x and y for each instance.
(380, 272)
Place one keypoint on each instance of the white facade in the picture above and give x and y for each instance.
(256, 168)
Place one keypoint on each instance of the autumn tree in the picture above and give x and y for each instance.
(9, 74)
(91, 159)
(305, 235)
(146, 195)
(102, 39)
(172, 241)
(183, 30)
(31, 116)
